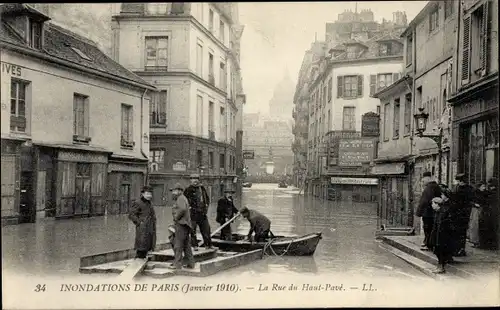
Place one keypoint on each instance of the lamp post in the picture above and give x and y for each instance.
(421, 121)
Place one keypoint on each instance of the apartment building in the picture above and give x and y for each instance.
(73, 139)
(190, 52)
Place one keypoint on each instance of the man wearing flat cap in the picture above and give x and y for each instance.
(225, 211)
(142, 214)
(463, 196)
(182, 225)
(424, 209)
(199, 202)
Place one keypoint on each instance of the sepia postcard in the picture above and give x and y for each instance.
(249, 154)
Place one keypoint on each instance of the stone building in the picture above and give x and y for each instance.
(190, 52)
(73, 140)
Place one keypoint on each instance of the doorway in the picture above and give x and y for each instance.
(27, 212)
(82, 187)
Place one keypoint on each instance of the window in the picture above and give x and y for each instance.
(395, 118)
(199, 158)
(329, 124)
(349, 87)
(127, 125)
(199, 116)
(156, 53)
(476, 42)
(223, 124)
(407, 114)
(222, 29)
(80, 115)
(448, 8)
(324, 94)
(35, 34)
(211, 116)
(384, 80)
(378, 109)
(409, 50)
(157, 8)
(210, 160)
(211, 20)
(330, 89)
(386, 121)
(18, 92)
(349, 119)
(158, 111)
(223, 77)
(385, 49)
(157, 156)
(434, 19)
(211, 77)
(222, 161)
(199, 59)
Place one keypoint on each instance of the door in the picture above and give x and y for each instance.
(10, 185)
(82, 184)
(27, 212)
(158, 197)
(124, 198)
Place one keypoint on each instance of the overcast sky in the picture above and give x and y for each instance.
(277, 34)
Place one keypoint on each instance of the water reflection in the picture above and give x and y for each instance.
(348, 244)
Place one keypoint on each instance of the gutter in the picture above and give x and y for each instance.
(146, 181)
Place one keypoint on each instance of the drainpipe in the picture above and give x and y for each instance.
(146, 181)
(412, 159)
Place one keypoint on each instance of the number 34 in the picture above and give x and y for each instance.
(40, 288)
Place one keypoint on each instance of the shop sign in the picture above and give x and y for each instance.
(355, 152)
(11, 69)
(179, 166)
(370, 125)
(354, 181)
(248, 154)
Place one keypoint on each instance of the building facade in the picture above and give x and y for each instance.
(72, 135)
(340, 95)
(427, 84)
(190, 52)
(475, 102)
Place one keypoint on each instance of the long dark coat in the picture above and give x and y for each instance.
(430, 191)
(225, 210)
(463, 199)
(258, 223)
(143, 215)
(488, 220)
(195, 194)
(442, 237)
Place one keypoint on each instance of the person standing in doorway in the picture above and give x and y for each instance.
(480, 201)
(143, 215)
(463, 200)
(225, 211)
(199, 202)
(182, 226)
(424, 210)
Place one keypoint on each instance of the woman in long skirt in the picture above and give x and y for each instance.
(480, 202)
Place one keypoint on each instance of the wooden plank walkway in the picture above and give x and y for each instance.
(134, 268)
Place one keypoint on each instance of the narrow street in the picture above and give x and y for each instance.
(348, 244)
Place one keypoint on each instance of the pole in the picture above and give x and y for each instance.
(221, 227)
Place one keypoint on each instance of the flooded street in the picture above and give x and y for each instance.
(348, 244)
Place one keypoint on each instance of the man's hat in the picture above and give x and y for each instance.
(244, 210)
(146, 189)
(177, 186)
(427, 174)
(194, 176)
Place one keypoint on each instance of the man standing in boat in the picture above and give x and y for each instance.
(259, 224)
(142, 214)
(225, 211)
(182, 222)
(199, 202)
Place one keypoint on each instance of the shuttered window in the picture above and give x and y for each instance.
(330, 89)
(349, 119)
(158, 110)
(349, 87)
(484, 37)
(127, 124)
(80, 115)
(466, 51)
(395, 118)
(373, 84)
(340, 86)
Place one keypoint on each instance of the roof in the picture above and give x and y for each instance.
(68, 46)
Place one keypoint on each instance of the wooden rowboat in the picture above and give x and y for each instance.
(279, 245)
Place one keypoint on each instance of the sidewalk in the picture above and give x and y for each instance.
(477, 263)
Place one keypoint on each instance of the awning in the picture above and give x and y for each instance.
(388, 169)
(353, 181)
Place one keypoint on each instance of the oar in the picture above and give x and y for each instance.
(222, 226)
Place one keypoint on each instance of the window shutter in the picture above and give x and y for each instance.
(466, 51)
(373, 84)
(86, 117)
(395, 77)
(340, 86)
(484, 43)
(162, 108)
(360, 86)
(330, 89)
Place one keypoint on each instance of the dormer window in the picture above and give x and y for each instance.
(34, 34)
(384, 49)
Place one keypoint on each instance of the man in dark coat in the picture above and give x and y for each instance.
(259, 224)
(424, 210)
(142, 214)
(182, 222)
(441, 240)
(225, 211)
(463, 201)
(489, 217)
(199, 202)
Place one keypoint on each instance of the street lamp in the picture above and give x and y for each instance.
(421, 122)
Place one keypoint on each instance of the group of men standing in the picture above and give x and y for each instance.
(189, 212)
(447, 220)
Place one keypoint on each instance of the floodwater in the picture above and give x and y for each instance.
(348, 244)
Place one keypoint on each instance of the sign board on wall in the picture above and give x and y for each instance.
(248, 154)
(354, 181)
(179, 166)
(370, 125)
(355, 152)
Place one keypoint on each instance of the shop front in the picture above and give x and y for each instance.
(354, 189)
(11, 174)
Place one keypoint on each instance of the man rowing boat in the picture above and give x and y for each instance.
(259, 224)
